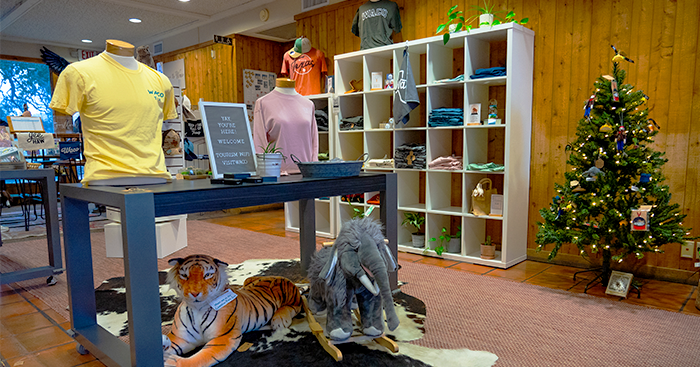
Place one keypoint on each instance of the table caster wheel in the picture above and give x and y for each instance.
(51, 280)
(81, 350)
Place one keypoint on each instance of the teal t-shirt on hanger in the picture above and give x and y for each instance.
(374, 23)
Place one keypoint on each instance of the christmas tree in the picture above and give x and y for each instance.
(613, 200)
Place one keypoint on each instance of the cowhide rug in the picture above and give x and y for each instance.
(296, 346)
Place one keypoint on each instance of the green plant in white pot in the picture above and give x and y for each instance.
(269, 162)
(416, 221)
(454, 244)
(447, 242)
(486, 16)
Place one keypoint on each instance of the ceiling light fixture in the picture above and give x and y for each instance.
(86, 41)
(184, 1)
(135, 20)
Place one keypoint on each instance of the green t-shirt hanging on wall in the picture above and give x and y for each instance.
(374, 22)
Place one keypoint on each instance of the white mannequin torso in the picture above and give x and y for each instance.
(128, 62)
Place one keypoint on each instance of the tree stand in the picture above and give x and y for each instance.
(604, 275)
(329, 345)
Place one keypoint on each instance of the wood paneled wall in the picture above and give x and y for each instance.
(214, 71)
(572, 48)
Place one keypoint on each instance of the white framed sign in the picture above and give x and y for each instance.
(229, 139)
(25, 124)
(175, 71)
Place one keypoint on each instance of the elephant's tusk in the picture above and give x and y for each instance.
(368, 284)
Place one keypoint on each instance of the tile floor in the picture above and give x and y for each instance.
(33, 335)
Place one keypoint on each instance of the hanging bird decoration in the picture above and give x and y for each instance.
(55, 62)
(619, 56)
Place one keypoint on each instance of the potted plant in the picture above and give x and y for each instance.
(416, 221)
(488, 249)
(439, 244)
(270, 160)
(455, 243)
(485, 14)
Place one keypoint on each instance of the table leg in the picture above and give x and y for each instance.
(307, 232)
(389, 216)
(48, 195)
(79, 275)
(141, 279)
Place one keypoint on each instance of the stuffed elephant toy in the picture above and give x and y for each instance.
(355, 267)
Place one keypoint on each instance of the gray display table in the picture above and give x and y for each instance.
(139, 208)
(48, 196)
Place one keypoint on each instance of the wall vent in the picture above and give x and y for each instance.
(313, 4)
(157, 48)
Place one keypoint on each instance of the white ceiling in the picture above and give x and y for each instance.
(67, 22)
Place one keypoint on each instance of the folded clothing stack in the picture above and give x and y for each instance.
(459, 78)
(452, 162)
(486, 167)
(352, 123)
(380, 163)
(410, 156)
(488, 73)
(446, 117)
(321, 119)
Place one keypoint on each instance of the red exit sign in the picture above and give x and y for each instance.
(86, 54)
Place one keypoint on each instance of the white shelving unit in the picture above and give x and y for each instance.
(175, 163)
(444, 196)
(325, 207)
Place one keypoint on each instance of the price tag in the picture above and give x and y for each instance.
(223, 299)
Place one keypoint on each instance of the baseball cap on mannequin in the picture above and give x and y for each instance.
(302, 45)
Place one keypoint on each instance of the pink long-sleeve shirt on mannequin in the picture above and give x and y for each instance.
(287, 120)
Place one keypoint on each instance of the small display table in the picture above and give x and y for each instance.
(139, 206)
(48, 195)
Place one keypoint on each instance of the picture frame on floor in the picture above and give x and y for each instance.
(619, 283)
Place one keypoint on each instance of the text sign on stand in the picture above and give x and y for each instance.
(228, 136)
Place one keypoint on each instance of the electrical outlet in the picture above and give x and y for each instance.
(688, 249)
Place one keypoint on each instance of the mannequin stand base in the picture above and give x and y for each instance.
(329, 345)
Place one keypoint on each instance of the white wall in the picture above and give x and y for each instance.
(33, 50)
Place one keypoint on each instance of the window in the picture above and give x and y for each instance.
(25, 82)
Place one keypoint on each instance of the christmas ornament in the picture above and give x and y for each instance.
(652, 126)
(606, 128)
(644, 178)
(640, 218)
(619, 56)
(613, 88)
(599, 163)
(587, 108)
(592, 173)
(621, 138)
(644, 97)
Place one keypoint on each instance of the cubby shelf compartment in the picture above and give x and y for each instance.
(444, 196)
(325, 226)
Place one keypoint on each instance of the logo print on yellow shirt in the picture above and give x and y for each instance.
(158, 96)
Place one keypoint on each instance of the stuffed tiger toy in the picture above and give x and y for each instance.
(211, 317)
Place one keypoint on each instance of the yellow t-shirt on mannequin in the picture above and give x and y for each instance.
(121, 112)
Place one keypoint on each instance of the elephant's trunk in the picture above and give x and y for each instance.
(372, 260)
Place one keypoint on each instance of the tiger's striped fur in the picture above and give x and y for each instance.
(198, 280)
